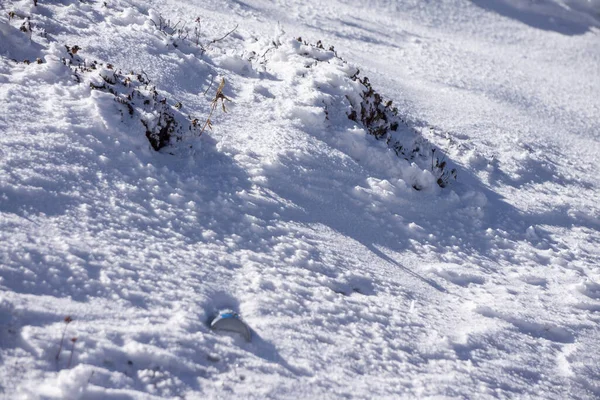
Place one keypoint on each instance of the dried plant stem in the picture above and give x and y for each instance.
(227, 34)
(67, 320)
(214, 103)
(62, 339)
(209, 85)
(73, 340)
(208, 123)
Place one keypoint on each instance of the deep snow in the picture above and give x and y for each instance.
(354, 283)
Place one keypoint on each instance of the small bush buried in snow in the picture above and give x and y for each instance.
(381, 119)
(354, 95)
(444, 174)
(178, 33)
(137, 99)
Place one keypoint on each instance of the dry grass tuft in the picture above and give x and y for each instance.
(219, 96)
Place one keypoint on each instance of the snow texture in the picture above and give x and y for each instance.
(297, 197)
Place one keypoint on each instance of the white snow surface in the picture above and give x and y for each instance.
(353, 283)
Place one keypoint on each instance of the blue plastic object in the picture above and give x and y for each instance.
(230, 321)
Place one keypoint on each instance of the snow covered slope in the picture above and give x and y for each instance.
(313, 207)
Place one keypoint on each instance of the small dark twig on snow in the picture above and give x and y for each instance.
(67, 320)
(227, 34)
(73, 340)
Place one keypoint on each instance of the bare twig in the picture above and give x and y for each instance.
(210, 85)
(268, 50)
(73, 340)
(197, 31)
(67, 320)
(151, 20)
(148, 80)
(227, 34)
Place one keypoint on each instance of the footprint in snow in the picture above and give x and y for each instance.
(590, 289)
(534, 329)
(535, 280)
(353, 284)
(463, 279)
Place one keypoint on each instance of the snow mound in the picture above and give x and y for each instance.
(330, 96)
